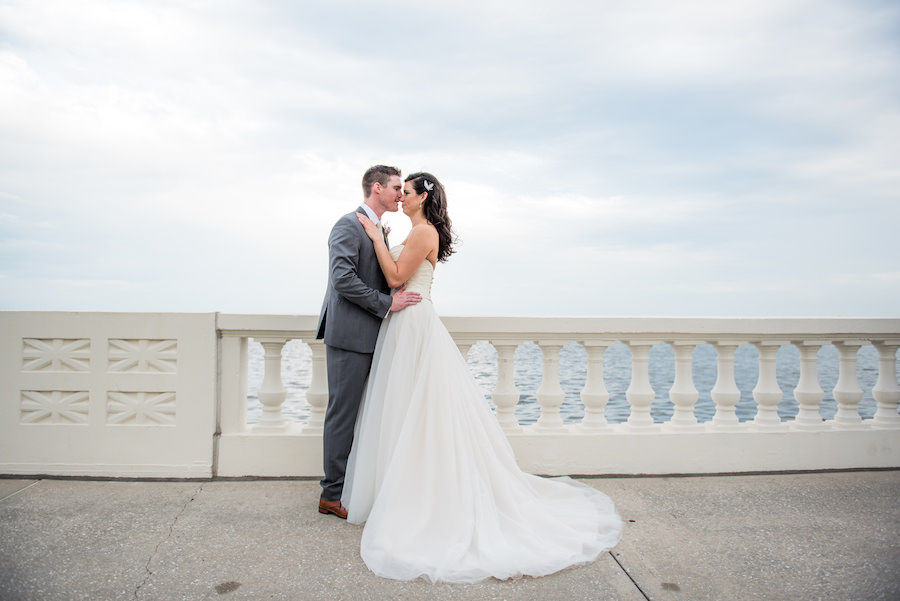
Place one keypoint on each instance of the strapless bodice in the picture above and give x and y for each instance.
(420, 280)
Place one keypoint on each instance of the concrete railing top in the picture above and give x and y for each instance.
(581, 328)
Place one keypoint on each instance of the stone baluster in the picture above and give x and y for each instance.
(464, 347)
(809, 393)
(505, 394)
(317, 394)
(847, 392)
(767, 393)
(640, 394)
(550, 395)
(271, 391)
(725, 394)
(595, 396)
(886, 391)
(684, 394)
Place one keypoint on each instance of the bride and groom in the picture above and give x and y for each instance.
(411, 449)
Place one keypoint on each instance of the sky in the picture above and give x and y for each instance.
(643, 158)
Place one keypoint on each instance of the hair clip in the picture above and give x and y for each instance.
(428, 185)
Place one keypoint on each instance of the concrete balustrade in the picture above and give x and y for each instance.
(640, 393)
(165, 395)
(847, 392)
(809, 393)
(767, 393)
(550, 395)
(725, 394)
(886, 391)
(317, 395)
(595, 395)
(684, 394)
(272, 392)
(505, 395)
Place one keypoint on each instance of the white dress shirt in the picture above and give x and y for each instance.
(371, 214)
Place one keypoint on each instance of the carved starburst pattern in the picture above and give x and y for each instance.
(54, 407)
(154, 408)
(56, 354)
(154, 356)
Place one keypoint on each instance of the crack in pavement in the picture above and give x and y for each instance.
(160, 543)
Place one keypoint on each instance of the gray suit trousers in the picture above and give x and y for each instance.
(347, 375)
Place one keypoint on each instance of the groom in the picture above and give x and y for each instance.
(356, 301)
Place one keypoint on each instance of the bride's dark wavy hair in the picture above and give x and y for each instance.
(435, 208)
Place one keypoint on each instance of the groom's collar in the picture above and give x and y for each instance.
(370, 213)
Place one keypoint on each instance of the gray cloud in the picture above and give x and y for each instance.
(666, 159)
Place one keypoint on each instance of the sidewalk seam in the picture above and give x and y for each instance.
(160, 543)
(11, 495)
(636, 585)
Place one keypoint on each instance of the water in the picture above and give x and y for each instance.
(296, 371)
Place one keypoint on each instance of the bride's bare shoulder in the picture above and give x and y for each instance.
(423, 229)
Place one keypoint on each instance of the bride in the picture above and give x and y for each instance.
(431, 473)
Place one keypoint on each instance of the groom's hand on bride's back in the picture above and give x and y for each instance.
(403, 299)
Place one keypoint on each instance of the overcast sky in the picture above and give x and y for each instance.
(721, 158)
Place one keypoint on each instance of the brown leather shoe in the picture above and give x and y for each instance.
(333, 507)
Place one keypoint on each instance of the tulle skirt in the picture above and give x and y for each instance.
(436, 482)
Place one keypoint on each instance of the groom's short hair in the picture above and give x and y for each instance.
(377, 174)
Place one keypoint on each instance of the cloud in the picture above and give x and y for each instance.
(652, 158)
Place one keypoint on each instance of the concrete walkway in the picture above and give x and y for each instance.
(786, 536)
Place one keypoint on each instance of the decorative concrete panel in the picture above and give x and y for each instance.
(56, 355)
(143, 356)
(54, 407)
(107, 394)
(141, 408)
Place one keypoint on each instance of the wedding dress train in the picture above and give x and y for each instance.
(435, 480)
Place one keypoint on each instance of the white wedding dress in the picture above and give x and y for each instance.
(435, 480)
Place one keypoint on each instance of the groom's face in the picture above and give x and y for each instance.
(388, 197)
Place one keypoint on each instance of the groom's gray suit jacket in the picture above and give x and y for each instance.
(358, 296)
(356, 301)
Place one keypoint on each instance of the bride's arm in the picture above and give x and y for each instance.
(421, 240)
